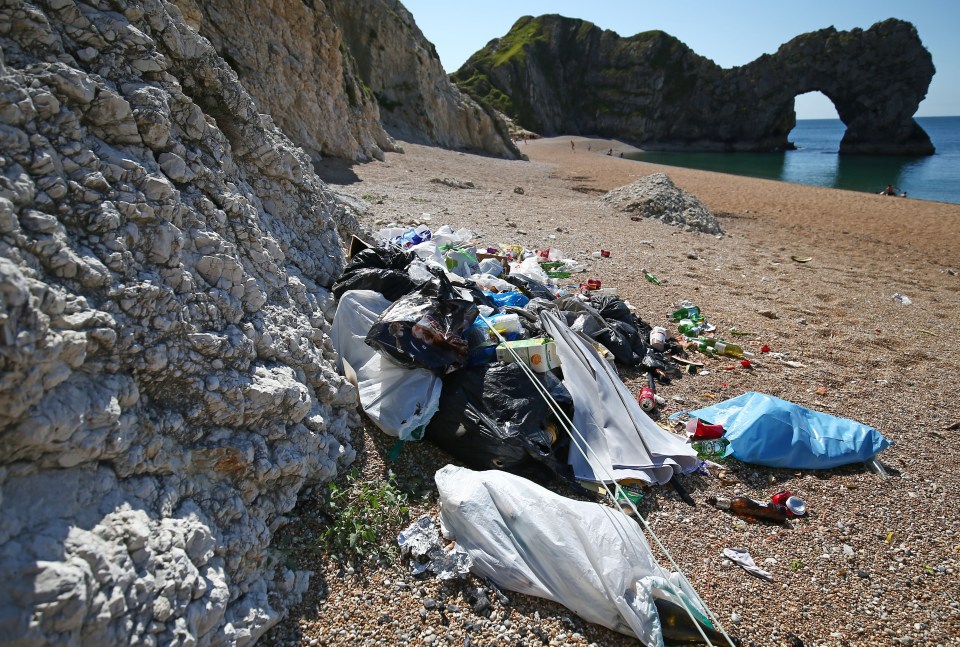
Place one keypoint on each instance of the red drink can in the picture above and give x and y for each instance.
(605, 253)
(646, 400)
(781, 497)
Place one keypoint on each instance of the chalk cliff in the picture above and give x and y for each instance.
(166, 378)
(557, 75)
(418, 102)
(337, 76)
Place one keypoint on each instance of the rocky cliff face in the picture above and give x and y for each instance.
(330, 72)
(558, 75)
(291, 57)
(417, 100)
(166, 384)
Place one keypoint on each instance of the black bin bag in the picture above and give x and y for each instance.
(492, 417)
(379, 269)
(425, 329)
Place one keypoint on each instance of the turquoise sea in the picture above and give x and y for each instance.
(816, 162)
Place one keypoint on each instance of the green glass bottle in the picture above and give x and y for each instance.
(688, 312)
(728, 349)
(701, 346)
(719, 346)
(689, 327)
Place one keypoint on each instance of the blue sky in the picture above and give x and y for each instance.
(731, 33)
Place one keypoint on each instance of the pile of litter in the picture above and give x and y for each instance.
(495, 355)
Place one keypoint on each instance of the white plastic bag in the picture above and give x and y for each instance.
(530, 267)
(592, 559)
(400, 401)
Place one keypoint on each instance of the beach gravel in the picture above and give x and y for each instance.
(875, 562)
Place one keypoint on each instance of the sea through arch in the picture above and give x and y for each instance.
(818, 125)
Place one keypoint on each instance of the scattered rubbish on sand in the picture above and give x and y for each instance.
(902, 299)
(801, 259)
(497, 355)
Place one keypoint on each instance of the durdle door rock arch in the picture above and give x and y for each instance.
(557, 75)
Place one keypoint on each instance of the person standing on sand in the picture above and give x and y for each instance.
(573, 146)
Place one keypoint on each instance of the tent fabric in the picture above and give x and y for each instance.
(400, 401)
(590, 558)
(627, 443)
(765, 430)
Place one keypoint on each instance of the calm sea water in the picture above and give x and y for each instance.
(816, 162)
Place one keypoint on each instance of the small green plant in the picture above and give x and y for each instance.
(373, 197)
(419, 200)
(360, 511)
(796, 565)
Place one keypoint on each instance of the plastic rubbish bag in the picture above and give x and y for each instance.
(461, 259)
(399, 401)
(493, 417)
(584, 318)
(392, 284)
(383, 258)
(590, 558)
(425, 329)
(529, 267)
(766, 430)
(379, 269)
(530, 286)
(503, 299)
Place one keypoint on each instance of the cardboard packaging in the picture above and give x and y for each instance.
(538, 354)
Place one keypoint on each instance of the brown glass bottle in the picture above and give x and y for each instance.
(750, 509)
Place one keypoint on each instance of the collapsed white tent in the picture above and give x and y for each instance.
(626, 444)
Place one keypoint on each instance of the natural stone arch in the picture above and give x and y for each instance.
(559, 75)
(875, 79)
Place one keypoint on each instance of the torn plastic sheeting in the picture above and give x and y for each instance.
(421, 543)
(626, 443)
(765, 430)
(590, 558)
(398, 400)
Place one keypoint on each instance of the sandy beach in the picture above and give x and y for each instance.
(875, 562)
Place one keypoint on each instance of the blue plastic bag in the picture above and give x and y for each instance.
(503, 299)
(765, 430)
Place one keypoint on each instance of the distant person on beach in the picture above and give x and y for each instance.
(589, 146)
(892, 190)
(610, 152)
(573, 146)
